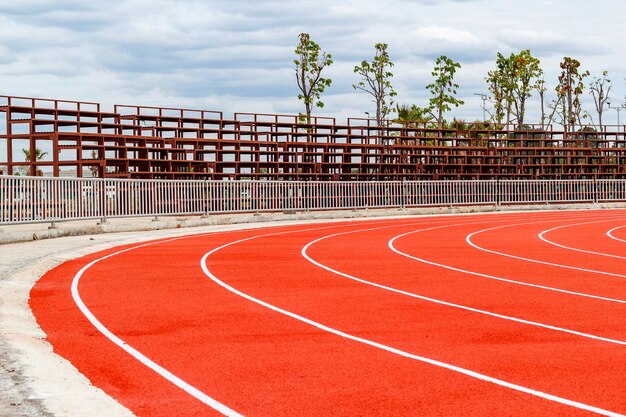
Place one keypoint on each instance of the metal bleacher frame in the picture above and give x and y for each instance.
(143, 142)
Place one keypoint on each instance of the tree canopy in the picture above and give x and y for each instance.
(376, 81)
(310, 63)
(443, 89)
(511, 83)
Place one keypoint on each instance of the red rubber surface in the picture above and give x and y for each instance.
(262, 363)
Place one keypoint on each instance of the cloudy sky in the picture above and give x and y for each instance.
(237, 56)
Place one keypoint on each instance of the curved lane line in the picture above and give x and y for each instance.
(442, 302)
(543, 233)
(169, 376)
(610, 234)
(188, 388)
(393, 350)
(468, 239)
(223, 409)
(493, 277)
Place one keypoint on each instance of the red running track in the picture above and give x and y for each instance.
(509, 314)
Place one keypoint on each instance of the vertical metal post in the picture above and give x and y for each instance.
(205, 197)
(497, 191)
(103, 199)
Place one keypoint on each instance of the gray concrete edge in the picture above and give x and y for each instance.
(39, 231)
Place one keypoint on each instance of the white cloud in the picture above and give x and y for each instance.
(431, 42)
(237, 56)
(547, 43)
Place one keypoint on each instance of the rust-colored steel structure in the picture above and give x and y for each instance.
(79, 139)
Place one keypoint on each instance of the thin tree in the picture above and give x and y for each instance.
(546, 118)
(310, 63)
(600, 88)
(500, 82)
(443, 88)
(499, 95)
(525, 78)
(570, 88)
(541, 89)
(376, 81)
(558, 108)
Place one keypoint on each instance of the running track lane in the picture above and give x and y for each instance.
(579, 244)
(487, 278)
(261, 363)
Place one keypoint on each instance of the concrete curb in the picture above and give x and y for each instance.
(39, 231)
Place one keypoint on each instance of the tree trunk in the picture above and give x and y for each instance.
(440, 118)
(543, 110)
(307, 106)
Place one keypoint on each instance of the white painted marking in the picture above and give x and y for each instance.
(468, 239)
(543, 233)
(393, 350)
(610, 234)
(188, 388)
(223, 409)
(442, 302)
(496, 278)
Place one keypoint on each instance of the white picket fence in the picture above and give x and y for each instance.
(39, 199)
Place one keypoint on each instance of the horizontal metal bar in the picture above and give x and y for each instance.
(37, 199)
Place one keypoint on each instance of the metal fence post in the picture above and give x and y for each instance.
(155, 210)
(103, 199)
(205, 197)
(498, 191)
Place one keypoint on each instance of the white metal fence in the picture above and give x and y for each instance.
(37, 199)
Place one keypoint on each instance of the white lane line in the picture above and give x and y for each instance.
(442, 302)
(610, 234)
(494, 277)
(469, 237)
(543, 233)
(393, 350)
(138, 355)
(188, 388)
(551, 242)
